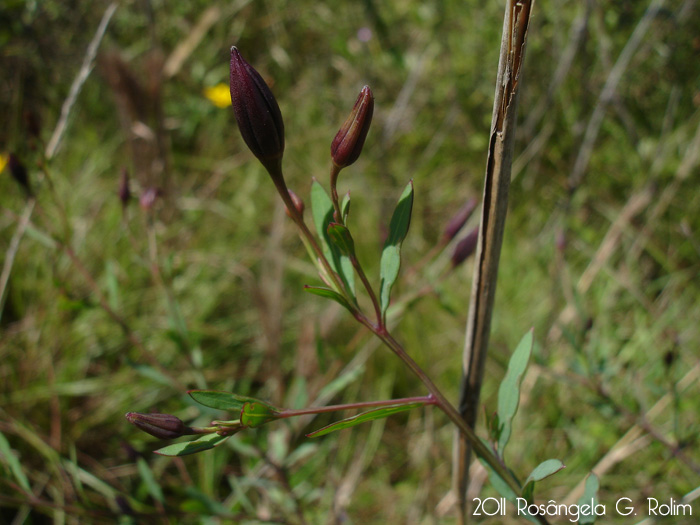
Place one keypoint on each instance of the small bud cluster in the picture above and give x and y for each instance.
(260, 122)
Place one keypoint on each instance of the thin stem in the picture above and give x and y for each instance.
(370, 291)
(338, 216)
(426, 400)
(11, 253)
(451, 412)
(380, 330)
(297, 217)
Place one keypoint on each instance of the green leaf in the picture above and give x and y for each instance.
(391, 255)
(13, 463)
(340, 237)
(322, 213)
(223, 400)
(256, 414)
(493, 426)
(329, 294)
(192, 447)
(149, 480)
(589, 497)
(345, 207)
(544, 470)
(371, 415)
(541, 471)
(509, 390)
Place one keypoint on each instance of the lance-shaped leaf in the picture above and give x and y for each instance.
(589, 497)
(257, 414)
(222, 400)
(206, 442)
(340, 237)
(370, 415)
(391, 255)
(322, 213)
(330, 294)
(541, 471)
(509, 390)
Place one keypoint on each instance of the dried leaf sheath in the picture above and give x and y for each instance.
(494, 209)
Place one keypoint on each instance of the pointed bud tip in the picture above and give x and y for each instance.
(350, 139)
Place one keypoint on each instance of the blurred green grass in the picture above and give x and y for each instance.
(240, 320)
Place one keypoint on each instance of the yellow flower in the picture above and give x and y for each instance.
(4, 157)
(219, 95)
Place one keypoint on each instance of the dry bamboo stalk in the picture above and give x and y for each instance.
(493, 215)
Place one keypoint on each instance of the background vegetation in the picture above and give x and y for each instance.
(601, 254)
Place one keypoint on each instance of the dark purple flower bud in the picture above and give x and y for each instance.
(465, 248)
(298, 204)
(459, 220)
(124, 191)
(257, 113)
(162, 426)
(347, 144)
(19, 173)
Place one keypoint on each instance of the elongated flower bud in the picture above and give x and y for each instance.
(465, 247)
(459, 219)
(257, 113)
(347, 144)
(162, 426)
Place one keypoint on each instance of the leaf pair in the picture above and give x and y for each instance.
(339, 246)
